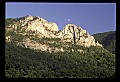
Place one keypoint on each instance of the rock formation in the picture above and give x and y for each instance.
(36, 24)
(43, 28)
(82, 37)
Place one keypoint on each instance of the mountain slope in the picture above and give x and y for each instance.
(34, 48)
(43, 28)
(94, 62)
(107, 39)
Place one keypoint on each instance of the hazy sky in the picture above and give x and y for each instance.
(94, 18)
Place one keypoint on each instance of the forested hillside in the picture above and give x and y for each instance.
(60, 60)
(95, 62)
(107, 39)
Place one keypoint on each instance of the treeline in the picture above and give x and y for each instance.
(95, 62)
(107, 39)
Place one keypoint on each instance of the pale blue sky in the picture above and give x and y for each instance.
(94, 18)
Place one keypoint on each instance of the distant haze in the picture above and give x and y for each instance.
(94, 18)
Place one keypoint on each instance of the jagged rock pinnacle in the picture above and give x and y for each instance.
(70, 33)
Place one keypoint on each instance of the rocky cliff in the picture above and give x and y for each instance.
(35, 24)
(76, 35)
(41, 28)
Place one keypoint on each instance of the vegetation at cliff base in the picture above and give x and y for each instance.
(107, 39)
(74, 61)
(95, 62)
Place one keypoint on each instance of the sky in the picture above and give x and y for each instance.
(93, 17)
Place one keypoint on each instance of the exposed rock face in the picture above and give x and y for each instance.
(51, 26)
(81, 36)
(43, 28)
(27, 43)
(36, 24)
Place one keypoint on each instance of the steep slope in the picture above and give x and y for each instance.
(78, 36)
(94, 62)
(35, 24)
(41, 28)
(36, 48)
(107, 39)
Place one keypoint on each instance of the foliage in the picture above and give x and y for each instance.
(10, 21)
(26, 63)
(49, 41)
(20, 62)
(14, 36)
(107, 39)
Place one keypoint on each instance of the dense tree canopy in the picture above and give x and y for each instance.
(107, 39)
(26, 63)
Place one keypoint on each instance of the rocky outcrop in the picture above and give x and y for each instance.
(36, 24)
(27, 43)
(43, 28)
(51, 26)
(72, 32)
